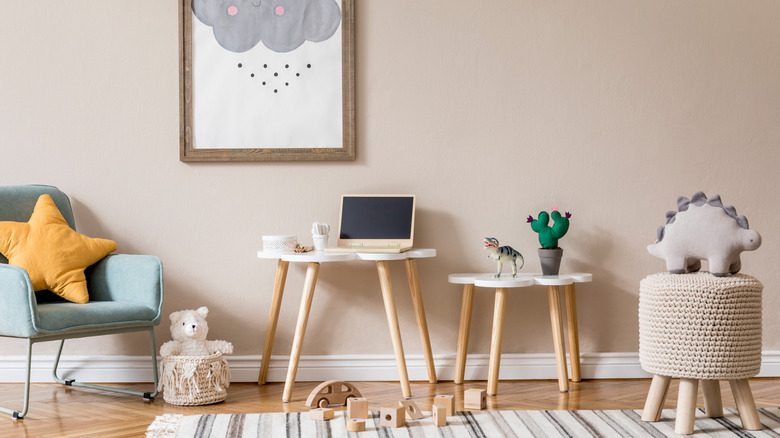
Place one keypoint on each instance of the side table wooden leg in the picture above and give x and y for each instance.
(745, 404)
(574, 337)
(463, 332)
(273, 319)
(557, 331)
(654, 404)
(300, 328)
(495, 341)
(713, 404)
(686, 406)
(422, 322)
(392, 322)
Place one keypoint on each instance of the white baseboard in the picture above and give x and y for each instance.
(345, 367)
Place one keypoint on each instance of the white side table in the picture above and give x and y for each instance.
(314, 259)
(501, 285)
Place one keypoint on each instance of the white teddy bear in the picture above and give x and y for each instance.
(189, 330)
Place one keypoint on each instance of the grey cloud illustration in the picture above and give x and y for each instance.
(281, 25)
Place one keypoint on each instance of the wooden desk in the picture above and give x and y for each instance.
(314, 259)
(501, 285)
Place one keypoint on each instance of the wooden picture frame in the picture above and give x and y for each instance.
(189, 152)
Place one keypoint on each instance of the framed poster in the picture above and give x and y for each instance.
(267, 80)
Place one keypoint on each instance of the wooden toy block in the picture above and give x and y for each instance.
(357, 408)
(412, 411)
(439, 415)
(448, 401)
(321, 414)
(475, 398)
(392, 416)
(354, 425)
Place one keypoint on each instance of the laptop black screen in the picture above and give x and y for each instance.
(376, 217)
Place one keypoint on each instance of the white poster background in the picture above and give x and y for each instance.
(234, 110)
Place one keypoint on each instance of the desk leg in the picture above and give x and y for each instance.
(392, 322)
(300, 328)
(463, 332)
(495, 340)
(557, 332)
(422, 322)
(574, 337)
(273, 319)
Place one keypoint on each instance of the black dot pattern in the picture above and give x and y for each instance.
(284, 75)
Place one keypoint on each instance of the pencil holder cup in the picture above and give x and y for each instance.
(320, 242)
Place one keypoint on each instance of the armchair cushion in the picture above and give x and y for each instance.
(52, 253)
(62, 316)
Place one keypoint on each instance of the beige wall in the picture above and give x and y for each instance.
(487, 111)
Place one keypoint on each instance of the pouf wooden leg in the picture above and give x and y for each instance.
(655, 398)
(713, 405)
(745, 404)
(686, 406)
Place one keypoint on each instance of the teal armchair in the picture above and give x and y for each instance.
(125, 295)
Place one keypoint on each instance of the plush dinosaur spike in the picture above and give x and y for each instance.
(698, 199)
(683, 203)
(715, 201)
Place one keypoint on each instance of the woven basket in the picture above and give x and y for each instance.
(195, 380)
(698, 326)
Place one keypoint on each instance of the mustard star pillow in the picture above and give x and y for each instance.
(53, 255)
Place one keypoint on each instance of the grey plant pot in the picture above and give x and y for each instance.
(551, 260)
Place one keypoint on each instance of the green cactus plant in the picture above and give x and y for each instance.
(548, 236)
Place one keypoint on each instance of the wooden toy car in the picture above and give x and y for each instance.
(331, 393)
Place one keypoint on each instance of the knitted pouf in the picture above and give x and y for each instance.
(195, 380)
(698, 326)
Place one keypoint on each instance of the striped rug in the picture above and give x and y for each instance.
(489, 424)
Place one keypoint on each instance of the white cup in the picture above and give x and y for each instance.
(320, 242)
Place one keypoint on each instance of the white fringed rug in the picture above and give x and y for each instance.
(488, 424)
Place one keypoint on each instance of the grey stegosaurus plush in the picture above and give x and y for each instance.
(703, 229)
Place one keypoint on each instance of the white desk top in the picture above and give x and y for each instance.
(522, 280)
(324, 257)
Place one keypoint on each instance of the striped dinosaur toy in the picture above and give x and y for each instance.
(502, 254)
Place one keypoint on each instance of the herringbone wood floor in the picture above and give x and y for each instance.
(59, 411)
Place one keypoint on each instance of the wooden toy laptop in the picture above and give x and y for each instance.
(375, 223)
